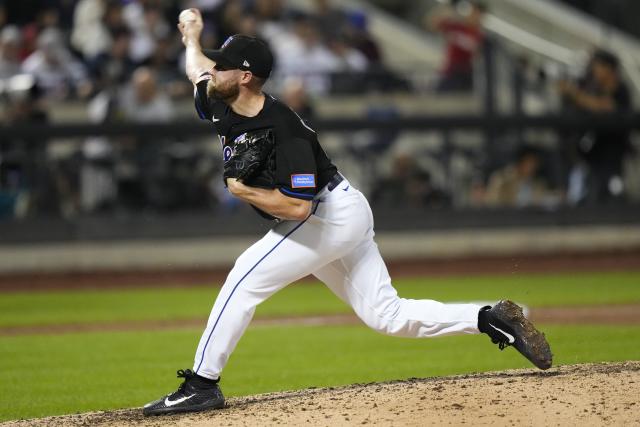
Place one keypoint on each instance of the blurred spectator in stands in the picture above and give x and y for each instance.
(146, 21)
(602, 91)
(330, 20)
(208, 8)
(110, 70)
(162, 61)
(113, 67)
(22, 185)
(46, 178)
(518, 185)
(98, 189)
(349, 59)
(88, 35)
(358, 33)
(164, 64)
(270, 18)
(379, 78)
(295, 96)
(10, 39)
(55, 69)
(303, 55)
(25, 102)
(142, 101)
(464, 37)
(408, 185)
(94, 25)
(230, 19)
(351, 64)
(48, 16)
(29, 41)
(248, 25)
(273, 11)
(113, 19)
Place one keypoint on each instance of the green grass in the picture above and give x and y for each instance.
(77, 372)
(311, 298)
(56, 374)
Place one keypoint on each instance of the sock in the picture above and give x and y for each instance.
(202, 382)
(483, 319)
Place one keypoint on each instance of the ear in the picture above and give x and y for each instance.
(246, 77)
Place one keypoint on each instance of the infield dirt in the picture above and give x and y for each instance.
(590, 394)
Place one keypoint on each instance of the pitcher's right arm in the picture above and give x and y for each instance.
(196, 62)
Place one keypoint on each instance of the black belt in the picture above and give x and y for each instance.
(335, 181)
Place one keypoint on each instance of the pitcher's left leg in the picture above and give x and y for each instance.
(361, 278)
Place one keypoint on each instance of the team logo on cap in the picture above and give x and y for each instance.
(246, 63)
(226, 42)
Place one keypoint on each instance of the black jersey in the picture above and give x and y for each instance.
(301, 167)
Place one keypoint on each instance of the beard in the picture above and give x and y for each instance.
(226, 92)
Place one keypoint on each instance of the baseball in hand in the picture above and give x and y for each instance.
(187, 15)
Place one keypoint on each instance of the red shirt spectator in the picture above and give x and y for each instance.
(464, 37)
(463, 41)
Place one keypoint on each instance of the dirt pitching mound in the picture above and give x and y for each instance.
(591, 394)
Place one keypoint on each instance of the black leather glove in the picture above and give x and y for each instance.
(249, 154)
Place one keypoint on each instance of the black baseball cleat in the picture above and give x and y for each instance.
(194, 394)
(506, 325)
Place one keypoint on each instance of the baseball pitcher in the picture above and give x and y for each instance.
(322, 226)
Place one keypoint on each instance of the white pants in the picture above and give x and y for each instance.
(336, 245)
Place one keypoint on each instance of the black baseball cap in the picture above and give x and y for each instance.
(243, 53)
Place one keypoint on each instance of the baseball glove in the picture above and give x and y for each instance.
(249, 153)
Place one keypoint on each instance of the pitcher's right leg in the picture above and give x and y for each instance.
(290, 251)
(269, 265)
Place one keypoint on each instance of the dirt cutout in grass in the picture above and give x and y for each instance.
(589, 394)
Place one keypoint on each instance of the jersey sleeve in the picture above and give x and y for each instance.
(296, 172)
(203, 105)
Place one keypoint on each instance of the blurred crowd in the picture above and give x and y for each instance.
(597, 156)
(123, 60)
(587, 167)
(76, 49)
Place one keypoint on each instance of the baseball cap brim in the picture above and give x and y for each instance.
(219, 58)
